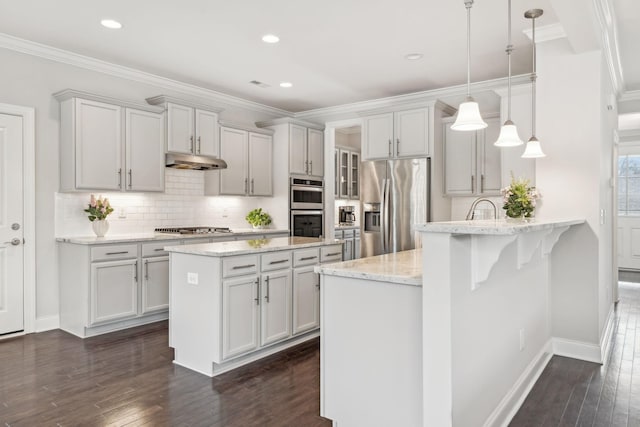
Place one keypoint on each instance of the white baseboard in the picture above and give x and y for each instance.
(47, 323)
(511, 402)
(577, 350)
(605, 340)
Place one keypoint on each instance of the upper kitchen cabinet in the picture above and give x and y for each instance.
(472, 162)
(249, 156)
(400, 134)
(306, 145)
(191, 128)
(108, 144)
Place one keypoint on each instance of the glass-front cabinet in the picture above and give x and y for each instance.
(347, 174)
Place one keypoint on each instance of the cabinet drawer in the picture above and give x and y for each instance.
(305, 257)
(348, 234)
(239, 265)
(104, 253)
(356, 233)
(276, 261)
(157, 248)
(331, 253)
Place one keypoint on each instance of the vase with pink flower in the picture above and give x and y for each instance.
(98, 210)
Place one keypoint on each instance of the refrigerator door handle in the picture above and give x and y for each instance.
(383, 221)
(387, 212)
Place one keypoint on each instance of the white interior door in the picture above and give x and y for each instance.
(11, 225)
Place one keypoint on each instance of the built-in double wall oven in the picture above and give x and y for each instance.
(306, 203)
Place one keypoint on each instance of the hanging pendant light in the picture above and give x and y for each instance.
(469, 117)
(509, 133)
(533, 149)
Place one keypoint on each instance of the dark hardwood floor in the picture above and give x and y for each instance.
(127, 379)
(571, 392)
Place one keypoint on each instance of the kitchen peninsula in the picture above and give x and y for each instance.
(235, 302)
(454, 333)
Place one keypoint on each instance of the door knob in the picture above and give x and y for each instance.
(15, 241)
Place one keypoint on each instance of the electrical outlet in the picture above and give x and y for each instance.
(192, 278)
(122, 213)
(522, 339)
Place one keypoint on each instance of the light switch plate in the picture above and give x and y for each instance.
(192, 278)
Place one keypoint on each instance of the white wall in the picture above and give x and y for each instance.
(30, 81)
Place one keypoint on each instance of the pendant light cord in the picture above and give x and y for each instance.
(509, 50)
(468, 4)
(534, 77)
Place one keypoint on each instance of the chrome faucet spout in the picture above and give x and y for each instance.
(472, 209)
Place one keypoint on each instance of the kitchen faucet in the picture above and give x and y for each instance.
(472, 209)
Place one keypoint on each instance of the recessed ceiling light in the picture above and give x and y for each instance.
(270, 38)
(111, 24)
(413, 56)
(286, 84)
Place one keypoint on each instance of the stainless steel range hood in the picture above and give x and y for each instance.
(186, 161)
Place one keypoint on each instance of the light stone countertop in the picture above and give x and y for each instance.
(404, 268)
(136, 237)
(245, 247)
(346, 227)
(494, 227)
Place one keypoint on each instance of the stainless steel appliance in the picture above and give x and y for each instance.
(193, 230)
(306, 207)
(187, 161)
(306, 194)
(346, 214)
(395, 196)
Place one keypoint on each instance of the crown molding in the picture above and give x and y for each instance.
(163, 100)
(292, 121)
(605, 16)
(414, 98)
(547, 33)
(63, 95)
(248, 128)
(66, 57)
(523, 89)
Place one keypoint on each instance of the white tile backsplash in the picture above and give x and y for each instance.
(182, 204)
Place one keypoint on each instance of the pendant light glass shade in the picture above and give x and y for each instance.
(533, 149)
(469, 117)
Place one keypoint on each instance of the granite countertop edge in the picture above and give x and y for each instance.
(495, 227)
(244, 247)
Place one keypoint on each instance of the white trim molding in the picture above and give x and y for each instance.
(577, 350)
(607, 24)
(47, 323)
(66, 57)
(605, 339)
(28, 115)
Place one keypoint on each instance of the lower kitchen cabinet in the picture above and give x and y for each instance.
(275, 307)
(240, 315)
(351, 247)
(114, 290)
(306, 299)
(155, 284)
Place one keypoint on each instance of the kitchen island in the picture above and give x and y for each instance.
(234, 302)
(460, 345)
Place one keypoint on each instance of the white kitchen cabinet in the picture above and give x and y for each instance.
(249, 157)
(155, 284)
(356, 244)
(472, 162)
(240, 315)
(348, 174)
(108, 144)
(306, 299)
(192, 131)
(351, 245)
(306, 151)
(315, 152)
(114, 290)
(401, 134)
(275, 307)
(206, 133)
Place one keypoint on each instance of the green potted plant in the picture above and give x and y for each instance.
(258, 218)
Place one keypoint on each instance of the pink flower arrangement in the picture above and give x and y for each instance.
(98, 208)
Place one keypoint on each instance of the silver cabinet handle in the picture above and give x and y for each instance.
(266, 297)
(130, 178)
(135, 272)
(158, 249)
(15, 241)
(120, 178)
(473, 183)
(252, 186)
(246, 185)
(146, 269)
(334, 254)
(306, 167)
(307, 258)
(278, 262)
(191, 144)
(117, 253)
(240, 267)
(397, 146)
(311, 167)
(389, 148)
(257, 298)
(199, 145)
(482, 183)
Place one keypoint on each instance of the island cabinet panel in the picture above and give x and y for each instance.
(275, 322)
(306, 300)
(240, 315)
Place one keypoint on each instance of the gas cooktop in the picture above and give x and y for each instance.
(193, 230)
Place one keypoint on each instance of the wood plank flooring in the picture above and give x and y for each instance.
(571, 392)
(126, 378)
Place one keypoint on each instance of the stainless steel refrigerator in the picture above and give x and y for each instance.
(395, 195)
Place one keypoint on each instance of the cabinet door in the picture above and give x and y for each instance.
(336, 171)
(240, 311)
(315, 152)
(377, 136)
(114, 290)
(356, 248)
(411, 133)
(180, 138)
(298, 163)
(343, 188)
(144, 147)
(306, 300)
(233, 149)
(207, 143)
(275, 324)
(347, 250)
(354, 176)
(260, 165)
(98, 149)
(155, 284)
(460, 162)
(489, 158)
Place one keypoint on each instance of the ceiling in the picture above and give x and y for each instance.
(333, 51)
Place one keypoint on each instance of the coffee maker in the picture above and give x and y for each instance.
(346, 214)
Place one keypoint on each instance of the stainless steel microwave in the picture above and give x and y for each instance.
(306, 194)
